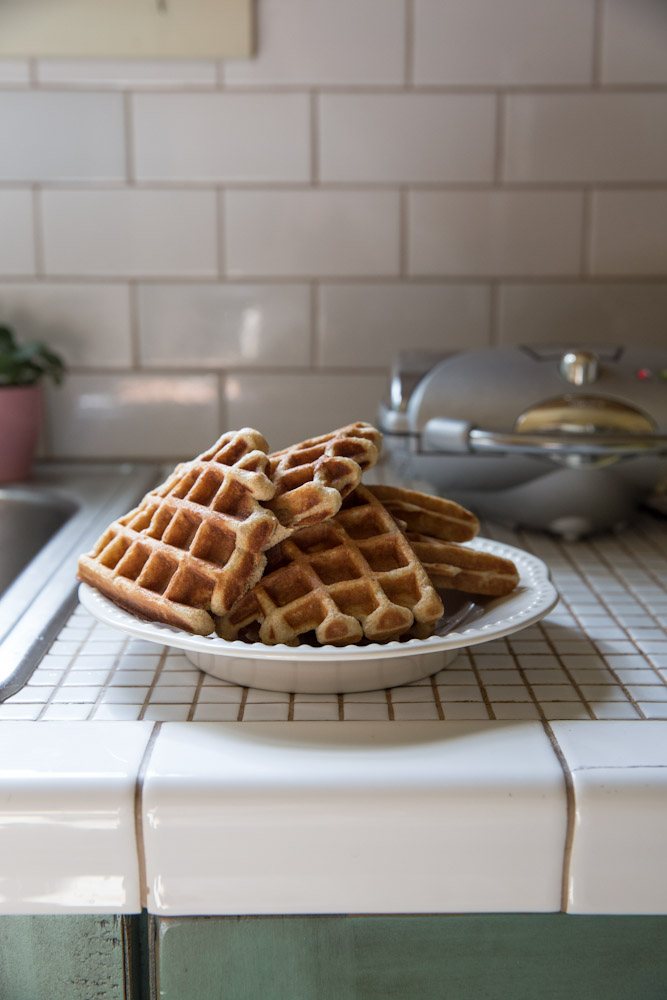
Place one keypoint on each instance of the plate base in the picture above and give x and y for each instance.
(332, 676)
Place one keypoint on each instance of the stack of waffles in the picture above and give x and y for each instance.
(290, 546)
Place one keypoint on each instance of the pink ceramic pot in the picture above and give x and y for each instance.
(20, 421)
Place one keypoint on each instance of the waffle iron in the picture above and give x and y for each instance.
(566, 440)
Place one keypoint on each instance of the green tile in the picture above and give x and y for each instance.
(430, 957)
(62, 957)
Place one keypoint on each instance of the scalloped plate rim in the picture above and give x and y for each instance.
(535, 600)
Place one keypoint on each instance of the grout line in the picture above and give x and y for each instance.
(128, 125)
(315, 340)
(135, 337)
(586, 263)
(571, 814)
(598, 38)
(195, 696)
(220, 232)
(314, 121)
(153, 685)
(482, 686)
(139, 813)
(403, 234)
(436, 698)
(38, 230)
(409, 53)
(499, 140)
(495, 291)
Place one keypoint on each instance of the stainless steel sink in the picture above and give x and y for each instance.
(44, 526)
(28, 519)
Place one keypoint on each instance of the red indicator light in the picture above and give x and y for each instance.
(644, 373)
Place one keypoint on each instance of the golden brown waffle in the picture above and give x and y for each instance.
(347, 578)
(312, 477)
(428, 515)
(195, 543)
(455, 567)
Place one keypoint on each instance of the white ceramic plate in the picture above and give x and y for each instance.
(367, 667)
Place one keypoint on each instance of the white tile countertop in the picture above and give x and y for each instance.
(530, 775)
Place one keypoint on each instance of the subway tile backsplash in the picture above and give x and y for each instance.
(212, 245)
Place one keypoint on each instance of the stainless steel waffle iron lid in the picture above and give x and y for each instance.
(575, 406)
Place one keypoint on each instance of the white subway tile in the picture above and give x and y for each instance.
(495, 232)
(133, 416)
(586, 137)
(88, 323)
(628, 232)
(123, 73)
(290, 408)
(365, 325)
(61, 136)
(407, 137)
(130, 232)
(318, 42)
(224, 325)
(634, 41)
(17, 246)
(311, 232)
(591, 313)
(231, 137)
(14, 71)
(516, 42)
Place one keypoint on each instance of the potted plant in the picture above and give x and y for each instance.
(22, 368)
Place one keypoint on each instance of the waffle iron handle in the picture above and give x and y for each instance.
(456, 436)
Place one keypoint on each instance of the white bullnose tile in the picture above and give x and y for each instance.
(63, 136)
(325, 402)
(366, 324)
(406, 137)
(628, 232)
(585, 137)
(124, 73)
(133, 415)
(130, 232)
(619, 771)
(221, 137)
(516, 42)
(89, 323)
(592, 313)
(311, 233)
(227, 324)
(231, 811)
(494, 232)
(350, 42)
(633, 46)
(67, 824)
(17, 246)
(14, 71)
